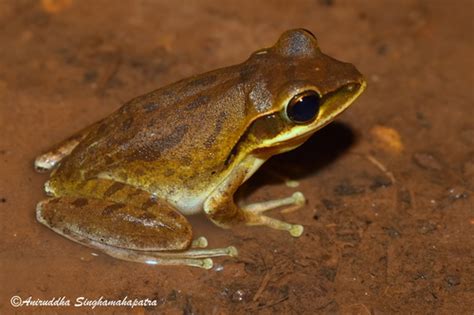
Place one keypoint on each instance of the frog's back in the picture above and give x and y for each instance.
(172, 135)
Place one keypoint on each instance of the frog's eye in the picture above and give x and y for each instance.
(303, 107)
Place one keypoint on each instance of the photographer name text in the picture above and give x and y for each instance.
(81, 301)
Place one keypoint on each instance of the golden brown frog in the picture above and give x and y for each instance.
(123, 184)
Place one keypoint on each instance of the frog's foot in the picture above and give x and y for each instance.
(153, 233)
(193, 257)
(50, 159)
(255, 217)
(200, 242)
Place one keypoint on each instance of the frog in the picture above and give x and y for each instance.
(125, 184)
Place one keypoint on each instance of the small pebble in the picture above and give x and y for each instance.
(392, 232)
(427, 161)
(346, 189)
(457, 193)
(238, 296)
(426, 227)
(453, 280)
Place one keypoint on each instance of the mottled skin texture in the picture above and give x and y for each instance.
(190, 145)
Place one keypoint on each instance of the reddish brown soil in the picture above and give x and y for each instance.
(389, 224)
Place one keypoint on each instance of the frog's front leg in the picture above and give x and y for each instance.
(221, 208)
(154, 233)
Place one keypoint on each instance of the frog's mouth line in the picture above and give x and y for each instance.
(291, 140)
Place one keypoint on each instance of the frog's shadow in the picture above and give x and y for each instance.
(322, 149)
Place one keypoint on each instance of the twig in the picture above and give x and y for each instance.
(381, 167)
(263, 285)
(110, 72)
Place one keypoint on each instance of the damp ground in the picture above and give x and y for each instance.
(389, 222)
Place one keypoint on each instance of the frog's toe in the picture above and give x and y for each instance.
(295, 230)
(205, 263)
(193, 257)
(296, 200)
(200, 242)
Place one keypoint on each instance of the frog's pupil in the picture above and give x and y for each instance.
(304, 108)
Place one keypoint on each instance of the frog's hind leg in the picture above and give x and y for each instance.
(50, 159)
(190, 257)
(154, 233)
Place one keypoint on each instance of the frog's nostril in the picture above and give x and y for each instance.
(352, 87)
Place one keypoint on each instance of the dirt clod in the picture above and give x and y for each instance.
(453, 280)
(427, 161)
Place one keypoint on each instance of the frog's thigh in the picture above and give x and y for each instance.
(153, 234)
(89, 220)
